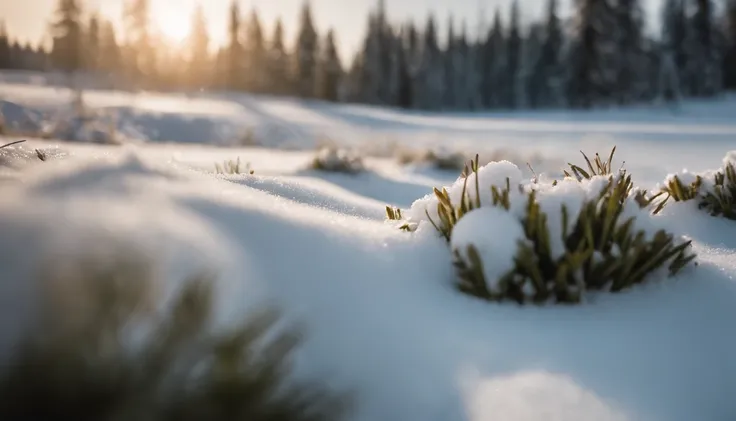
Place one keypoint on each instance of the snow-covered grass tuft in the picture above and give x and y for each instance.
(233, 167)
(100, 350)
(334, 159)
(547, 242)
(714, 191)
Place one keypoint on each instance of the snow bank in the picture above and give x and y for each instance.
(381, 318)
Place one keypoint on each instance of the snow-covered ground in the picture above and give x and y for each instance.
(382, 316)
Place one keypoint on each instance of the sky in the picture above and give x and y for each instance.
(28, 19)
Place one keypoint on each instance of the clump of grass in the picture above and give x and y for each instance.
(233, 167)
(716, 196)
(454, 161)
(80, 365)
(333, 159)
(603, 250)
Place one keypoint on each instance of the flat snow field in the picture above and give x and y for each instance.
(382, 317)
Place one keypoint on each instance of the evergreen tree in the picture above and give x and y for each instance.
(674, 36)
(5, 59)
(92, 44)
(255, 54)
(412, 56)
(307, 48)
(429, 74)
(493, 65)
(405, 81)
(593, 58)
(139, 52)
(533, 73)
(548, 73)
(512, 81)
(451, 62)
(235, 49)
(330, 71)
(278, 62)
(379, 69)
(198, 50)
(729, 62)
(467, 80)
(631, 71)
(110, 56)
(703, 69)
(67, 36)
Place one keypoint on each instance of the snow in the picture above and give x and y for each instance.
(495, 233)
(382, 317)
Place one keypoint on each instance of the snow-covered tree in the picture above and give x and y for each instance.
(255, 54)
(306, 54)
(592, 60)
(330, 70)
(631, 70)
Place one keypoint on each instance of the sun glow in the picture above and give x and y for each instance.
(172, 25)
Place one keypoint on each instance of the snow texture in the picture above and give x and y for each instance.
(381, 316)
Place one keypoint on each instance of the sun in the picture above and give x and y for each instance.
(173, 26)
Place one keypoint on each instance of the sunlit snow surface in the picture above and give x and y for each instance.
(382, 316)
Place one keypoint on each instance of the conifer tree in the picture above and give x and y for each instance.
(110, 55)
(140, 55)
(305, 59)
(404, 89)
(493, 64)
(451, 62)
(674, 36)
(703, 69)
(5, 59)
(255, 54)
(548, 72)
(235, 49)
(67, 35)
(430, 79)
(278, 62)
(592, 79)
(631, 75)
(330, 70)
(512, 80)
(729, 62)
(92, 44)
(198, 69)
(369, 89)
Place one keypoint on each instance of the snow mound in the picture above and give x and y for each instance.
(20, 120)
(495, 234)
